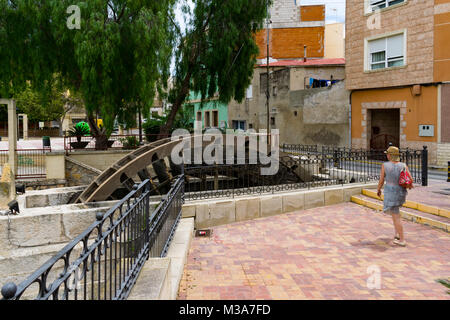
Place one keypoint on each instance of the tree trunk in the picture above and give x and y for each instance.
(60, 123)
(183, 93)
(101, 139)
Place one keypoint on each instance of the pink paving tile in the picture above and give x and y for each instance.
(321, 253)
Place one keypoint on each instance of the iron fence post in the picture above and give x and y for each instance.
(448, 172)
(424, 166)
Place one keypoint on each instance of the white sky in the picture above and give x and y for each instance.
(335, 9)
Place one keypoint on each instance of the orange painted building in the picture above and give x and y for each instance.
(292, 28)
(398, 70)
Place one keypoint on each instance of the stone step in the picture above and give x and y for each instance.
(414, 215)
(412, 204)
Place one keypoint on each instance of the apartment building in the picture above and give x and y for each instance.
(398, 72)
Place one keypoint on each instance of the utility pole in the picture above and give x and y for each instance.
(267, 83)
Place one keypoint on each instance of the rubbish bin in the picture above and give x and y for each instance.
(46, 141)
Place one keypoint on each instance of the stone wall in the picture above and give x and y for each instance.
(443, 154)
(78, 173)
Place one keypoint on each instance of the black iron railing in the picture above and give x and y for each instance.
(116, 141)
(104, 262)
(299, 148)
(304, 171)
(417, 160)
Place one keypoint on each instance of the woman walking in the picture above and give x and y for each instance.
(394, 194)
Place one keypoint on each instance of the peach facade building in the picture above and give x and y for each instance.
(398, 69)
(334, 41)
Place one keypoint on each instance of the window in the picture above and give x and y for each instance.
(272, 121)
(238, 125)
(381, 4)
(215, 118)
(386, 52)
(198, 120)
(249, 92)
(207, 120)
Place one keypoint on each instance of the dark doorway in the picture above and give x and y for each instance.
(384, 128)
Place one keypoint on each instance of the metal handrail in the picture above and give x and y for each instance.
(125, 228)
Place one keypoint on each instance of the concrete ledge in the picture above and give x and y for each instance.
(22, 262)
(153, 282)
(48, 197)
(213, 212)
(160, 278)
(178, 251)
(271, 205)
(47, 225)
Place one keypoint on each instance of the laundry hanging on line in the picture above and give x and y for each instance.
(320, 83)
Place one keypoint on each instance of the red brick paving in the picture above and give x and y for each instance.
(320, 253)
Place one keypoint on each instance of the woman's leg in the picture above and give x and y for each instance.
(394, 223)
(398, 226)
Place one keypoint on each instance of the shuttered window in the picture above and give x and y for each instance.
(380, 4)
(386, 52)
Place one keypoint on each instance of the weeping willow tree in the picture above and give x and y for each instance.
(216, 52)
(115, 54)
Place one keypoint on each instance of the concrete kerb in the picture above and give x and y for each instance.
(212, 212)
(160, 278)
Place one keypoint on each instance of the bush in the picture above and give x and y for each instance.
(182, 121)
(129, 142)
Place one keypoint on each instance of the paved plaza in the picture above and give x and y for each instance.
(330, 252)
(435, 194)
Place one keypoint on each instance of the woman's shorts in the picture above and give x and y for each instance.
(393, 209)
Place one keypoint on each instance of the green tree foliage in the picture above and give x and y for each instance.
(217, 51)
(117, 58)
(47, 108)
(183, 120)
